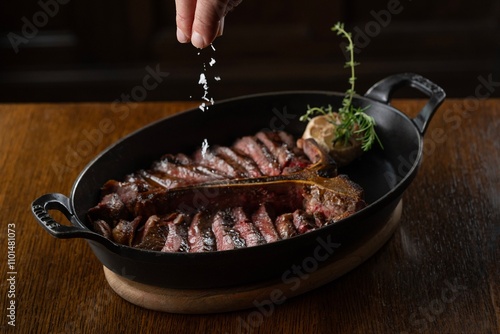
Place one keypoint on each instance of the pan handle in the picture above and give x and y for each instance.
(382, 92)
(59, 202)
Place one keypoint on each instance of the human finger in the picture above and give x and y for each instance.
(208, 21)
(184, 18)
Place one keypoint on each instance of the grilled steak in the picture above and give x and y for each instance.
(200, 235)
(263, 220)
(284, 226)
(246, 229)
(262, 189)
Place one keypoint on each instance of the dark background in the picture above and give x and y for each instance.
(98, 50)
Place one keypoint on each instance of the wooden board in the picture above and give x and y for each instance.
(201, 301)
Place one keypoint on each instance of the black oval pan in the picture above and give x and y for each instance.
(383, 173)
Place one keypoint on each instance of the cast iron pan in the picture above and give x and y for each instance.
(383, 173)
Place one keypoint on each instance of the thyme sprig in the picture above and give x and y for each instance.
(353, 120)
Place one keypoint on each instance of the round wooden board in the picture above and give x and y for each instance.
(202, 301)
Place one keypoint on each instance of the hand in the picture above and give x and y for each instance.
(201, 21)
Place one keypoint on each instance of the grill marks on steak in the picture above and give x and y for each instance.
(148, 212)
(233, 220)
(226, 236)
(247, 230)
(200, 235)
(253, 147)
(263, 220)
(177, 237)
(171, 167)
(265, 154)
(245, 166)
(226, 229)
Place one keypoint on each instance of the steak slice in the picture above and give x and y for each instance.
(124, 232)
(110, 209)
(153, 234)
(177, 234)
(303, 221)
(243, 225)
(200, 235)
(254, 149)
(226, 236)
(275, 145)
(101, 227)
(246, 166)
(319, 219)
(263, 220)
(216, 163)
(191, 174)
(284, 226)
(161, 180)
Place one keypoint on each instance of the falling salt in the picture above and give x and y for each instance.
(204, 148)
(203, 79)
(204, 83)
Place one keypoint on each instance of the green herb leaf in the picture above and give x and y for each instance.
(354, 120)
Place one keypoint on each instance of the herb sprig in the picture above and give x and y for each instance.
(353, 120)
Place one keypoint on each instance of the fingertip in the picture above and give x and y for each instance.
(181, 36)
(198, 41)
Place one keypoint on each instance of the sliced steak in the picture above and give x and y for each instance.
(177, 238)
(191, 174)
(342, 198)
(200, 235)
(210, 160)
(188, 215)
(320, 219)
(153, 234)
(303, 221)
(226, 236)
(263, 220)
(124, 232)
(245, 166)
(254, 149)
(101, 227)
(161, 180)
(284, 226)
(275, 145)
(111, 209)
(246, 229)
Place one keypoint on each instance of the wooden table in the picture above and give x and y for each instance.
(439, 273)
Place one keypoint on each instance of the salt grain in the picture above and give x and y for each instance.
(204, 147)
(203, 79)
(204, 83)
